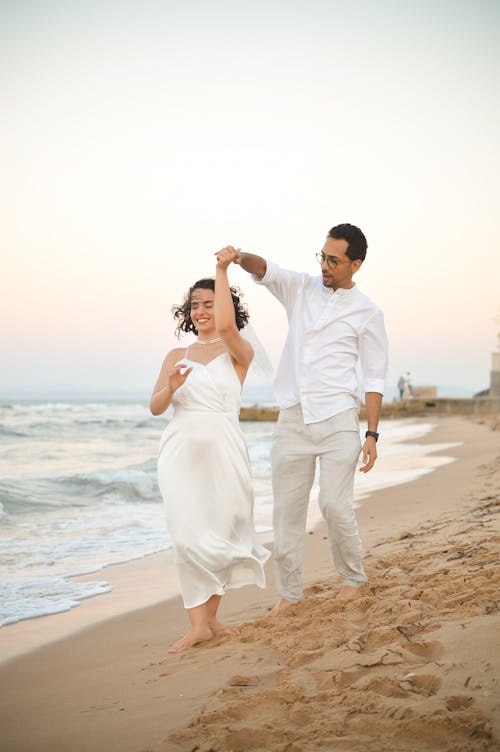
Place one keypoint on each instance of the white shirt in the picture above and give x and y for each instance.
(328, 332)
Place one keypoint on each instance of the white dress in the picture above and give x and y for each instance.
(205, 480)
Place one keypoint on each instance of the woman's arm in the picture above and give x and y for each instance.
(169, 380)
(225, 321)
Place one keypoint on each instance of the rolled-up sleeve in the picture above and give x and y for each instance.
(272, 270)
(373, 353)
(284, 284)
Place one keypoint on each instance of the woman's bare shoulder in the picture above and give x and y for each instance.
(174, 355)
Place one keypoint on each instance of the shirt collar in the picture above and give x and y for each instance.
(341, 292)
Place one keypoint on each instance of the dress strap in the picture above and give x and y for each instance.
(187, 351)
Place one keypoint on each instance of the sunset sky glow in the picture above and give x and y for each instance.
(138, 138)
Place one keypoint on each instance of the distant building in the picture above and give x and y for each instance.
(494, 390)
(424, 392)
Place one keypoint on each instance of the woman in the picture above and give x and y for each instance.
(203, 466)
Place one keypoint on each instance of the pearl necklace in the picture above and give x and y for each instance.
(208, 341)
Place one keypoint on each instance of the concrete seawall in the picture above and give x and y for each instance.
(404, 408)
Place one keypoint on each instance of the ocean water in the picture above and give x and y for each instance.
(78, 492)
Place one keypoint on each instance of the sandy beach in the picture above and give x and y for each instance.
(411, 663)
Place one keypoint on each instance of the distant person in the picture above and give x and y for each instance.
(408, 389)
(331, 325)
(203, 465)
(401, 386)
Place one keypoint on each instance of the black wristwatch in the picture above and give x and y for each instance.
(372, 433)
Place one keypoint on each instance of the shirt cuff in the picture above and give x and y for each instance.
(272, 269)
(374, 385)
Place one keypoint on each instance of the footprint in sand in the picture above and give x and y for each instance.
(305, 656)
(243, 681)
(421, 684)
(459, 702)
(381, 685)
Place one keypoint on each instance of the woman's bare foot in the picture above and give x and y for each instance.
(193, 637)
(218, 628)
(281, 605)
(348, 591)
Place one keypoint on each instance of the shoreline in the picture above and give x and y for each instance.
(419, 649)
(423, 407)
(127, 579)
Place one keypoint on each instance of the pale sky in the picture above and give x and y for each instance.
(137, 138)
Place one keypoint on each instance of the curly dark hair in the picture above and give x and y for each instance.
(182, 312)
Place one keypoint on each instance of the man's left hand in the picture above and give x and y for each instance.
(369, 454)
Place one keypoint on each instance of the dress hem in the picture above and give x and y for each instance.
(223, 591)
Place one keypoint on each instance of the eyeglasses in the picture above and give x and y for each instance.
(330, 260)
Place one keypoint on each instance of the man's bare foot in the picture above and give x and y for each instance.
(218, 628)
(190, 639)
(348, 591)
(281, 605)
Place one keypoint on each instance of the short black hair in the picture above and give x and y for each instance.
(182, 312)
(357, 244)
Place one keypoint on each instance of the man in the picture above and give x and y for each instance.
(331, 325)
(401, 386)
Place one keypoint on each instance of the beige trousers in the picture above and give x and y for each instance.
(293, 457)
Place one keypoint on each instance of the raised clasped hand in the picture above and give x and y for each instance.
(226, 256)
